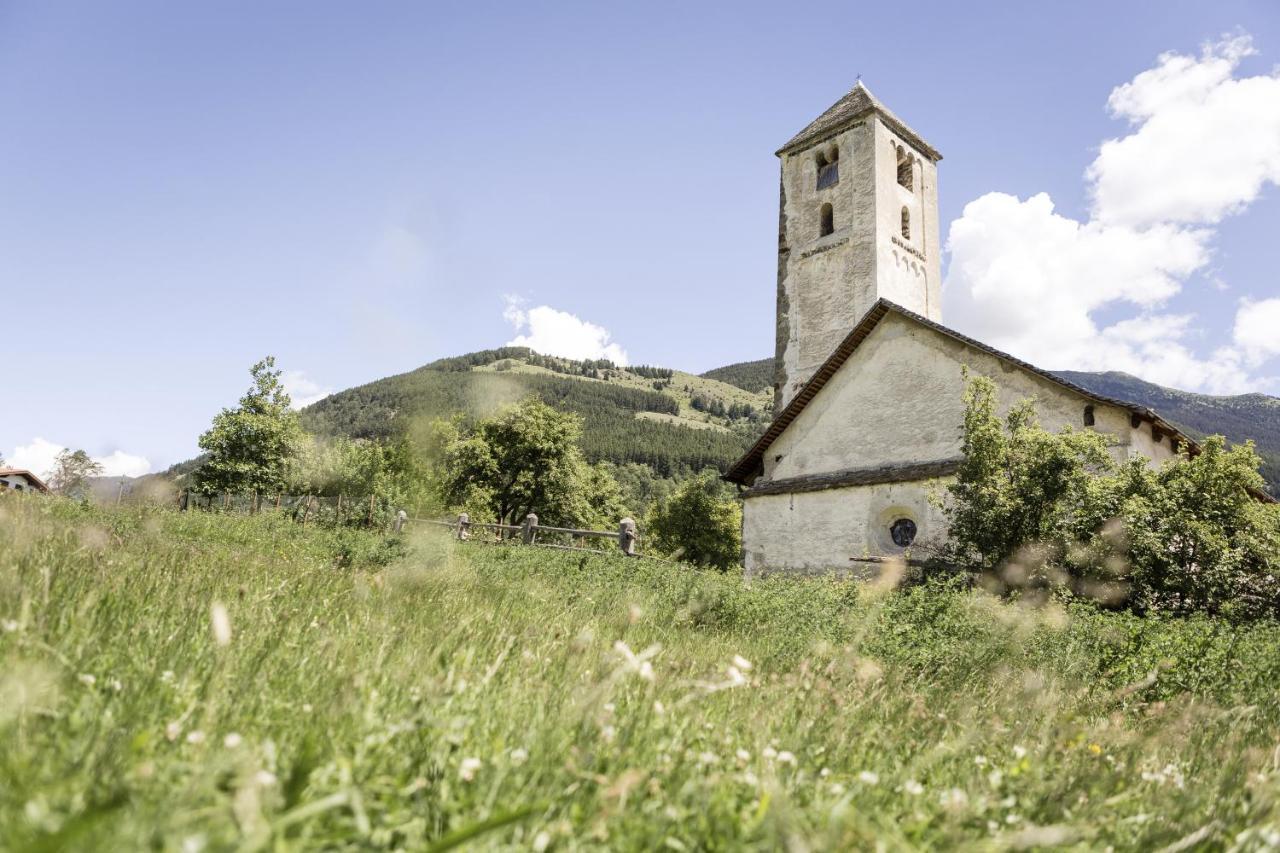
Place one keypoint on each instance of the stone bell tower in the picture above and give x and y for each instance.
(858, 221)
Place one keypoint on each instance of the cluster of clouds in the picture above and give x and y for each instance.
(303, 390)
(1202, 145)
(553, 332)
(39, 456)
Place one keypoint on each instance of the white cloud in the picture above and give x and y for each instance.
(1031, 281)
(303, 390)
(41, 454)
(121, 464)
(1204, 145)
(551, 332)
(1257, 329)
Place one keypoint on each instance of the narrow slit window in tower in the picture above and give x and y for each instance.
(905, 176)
(1088, 416)
(906, 224)
(828, 168)
(826, 222)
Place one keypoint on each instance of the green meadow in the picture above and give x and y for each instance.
(203, 682)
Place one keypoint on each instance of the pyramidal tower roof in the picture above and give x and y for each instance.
(853, 106)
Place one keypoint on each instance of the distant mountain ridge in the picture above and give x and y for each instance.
(1239, 418)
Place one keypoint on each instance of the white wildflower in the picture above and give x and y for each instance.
(743, 757)
(769, 753)
(221, 623)
(116, 685)
(172, 730)
(1012, 818)
(1019, 752)
(609, 707)
(541, 841)
(9, 625)
(195, 736)
(306, 707)
(824, 772)
(980, 760)
(232, 740)
(87, 680)
(659, 708)
(519, 756)
(867, 777)
(264, 778)
(953, 798)
(468, 769)
(708, 758)
(912, 787)
(742, 663)
(995, 778)
(608, 733)
(786, 757)
(751, 779)
(167, 676)
(736, 678)
(637, 662)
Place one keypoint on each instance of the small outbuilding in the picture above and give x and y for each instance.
(21, 480)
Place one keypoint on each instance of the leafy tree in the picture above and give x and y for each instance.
(526, 459)
(1055, 510)
(251, 448)
(698, 524)
(72, 470)
(1018, 483)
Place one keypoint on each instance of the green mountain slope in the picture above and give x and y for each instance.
(673, 422)
(748, 375)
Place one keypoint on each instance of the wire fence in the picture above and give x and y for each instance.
(625, 540)
(307, 509)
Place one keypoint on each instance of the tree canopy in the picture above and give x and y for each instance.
(1030, 508)
(72, 470)
(250, 448)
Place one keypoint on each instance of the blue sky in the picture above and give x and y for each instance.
(361, 188)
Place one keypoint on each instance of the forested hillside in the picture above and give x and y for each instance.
(673, 422)
(748, 375)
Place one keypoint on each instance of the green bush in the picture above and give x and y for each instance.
(698, 525)
(1030, 508)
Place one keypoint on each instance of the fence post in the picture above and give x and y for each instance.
(371, 497)
(254, 509)
(464, 526)
(226, 501)
(278, 496)
(627, 536)
(339, 510)
(399, 522)
(530, 531)
(306, 510)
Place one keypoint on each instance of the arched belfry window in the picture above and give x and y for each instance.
(906, 177)
(828, 167)
(906, 224)
(826, 221)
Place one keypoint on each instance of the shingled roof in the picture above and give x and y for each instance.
(751, 462)
(853, 106)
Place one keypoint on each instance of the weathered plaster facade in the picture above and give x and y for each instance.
(896, 404)
(828, 281)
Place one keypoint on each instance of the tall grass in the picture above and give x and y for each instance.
(207, 682)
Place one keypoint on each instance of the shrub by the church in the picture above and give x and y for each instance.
(1034, 510)
(698, 524)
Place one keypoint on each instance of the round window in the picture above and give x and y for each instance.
(903, 532)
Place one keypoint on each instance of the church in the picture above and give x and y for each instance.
(869, 384)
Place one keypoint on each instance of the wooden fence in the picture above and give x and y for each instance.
(342, 509)
(626, 538)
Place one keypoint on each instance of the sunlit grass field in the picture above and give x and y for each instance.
(197, 682)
